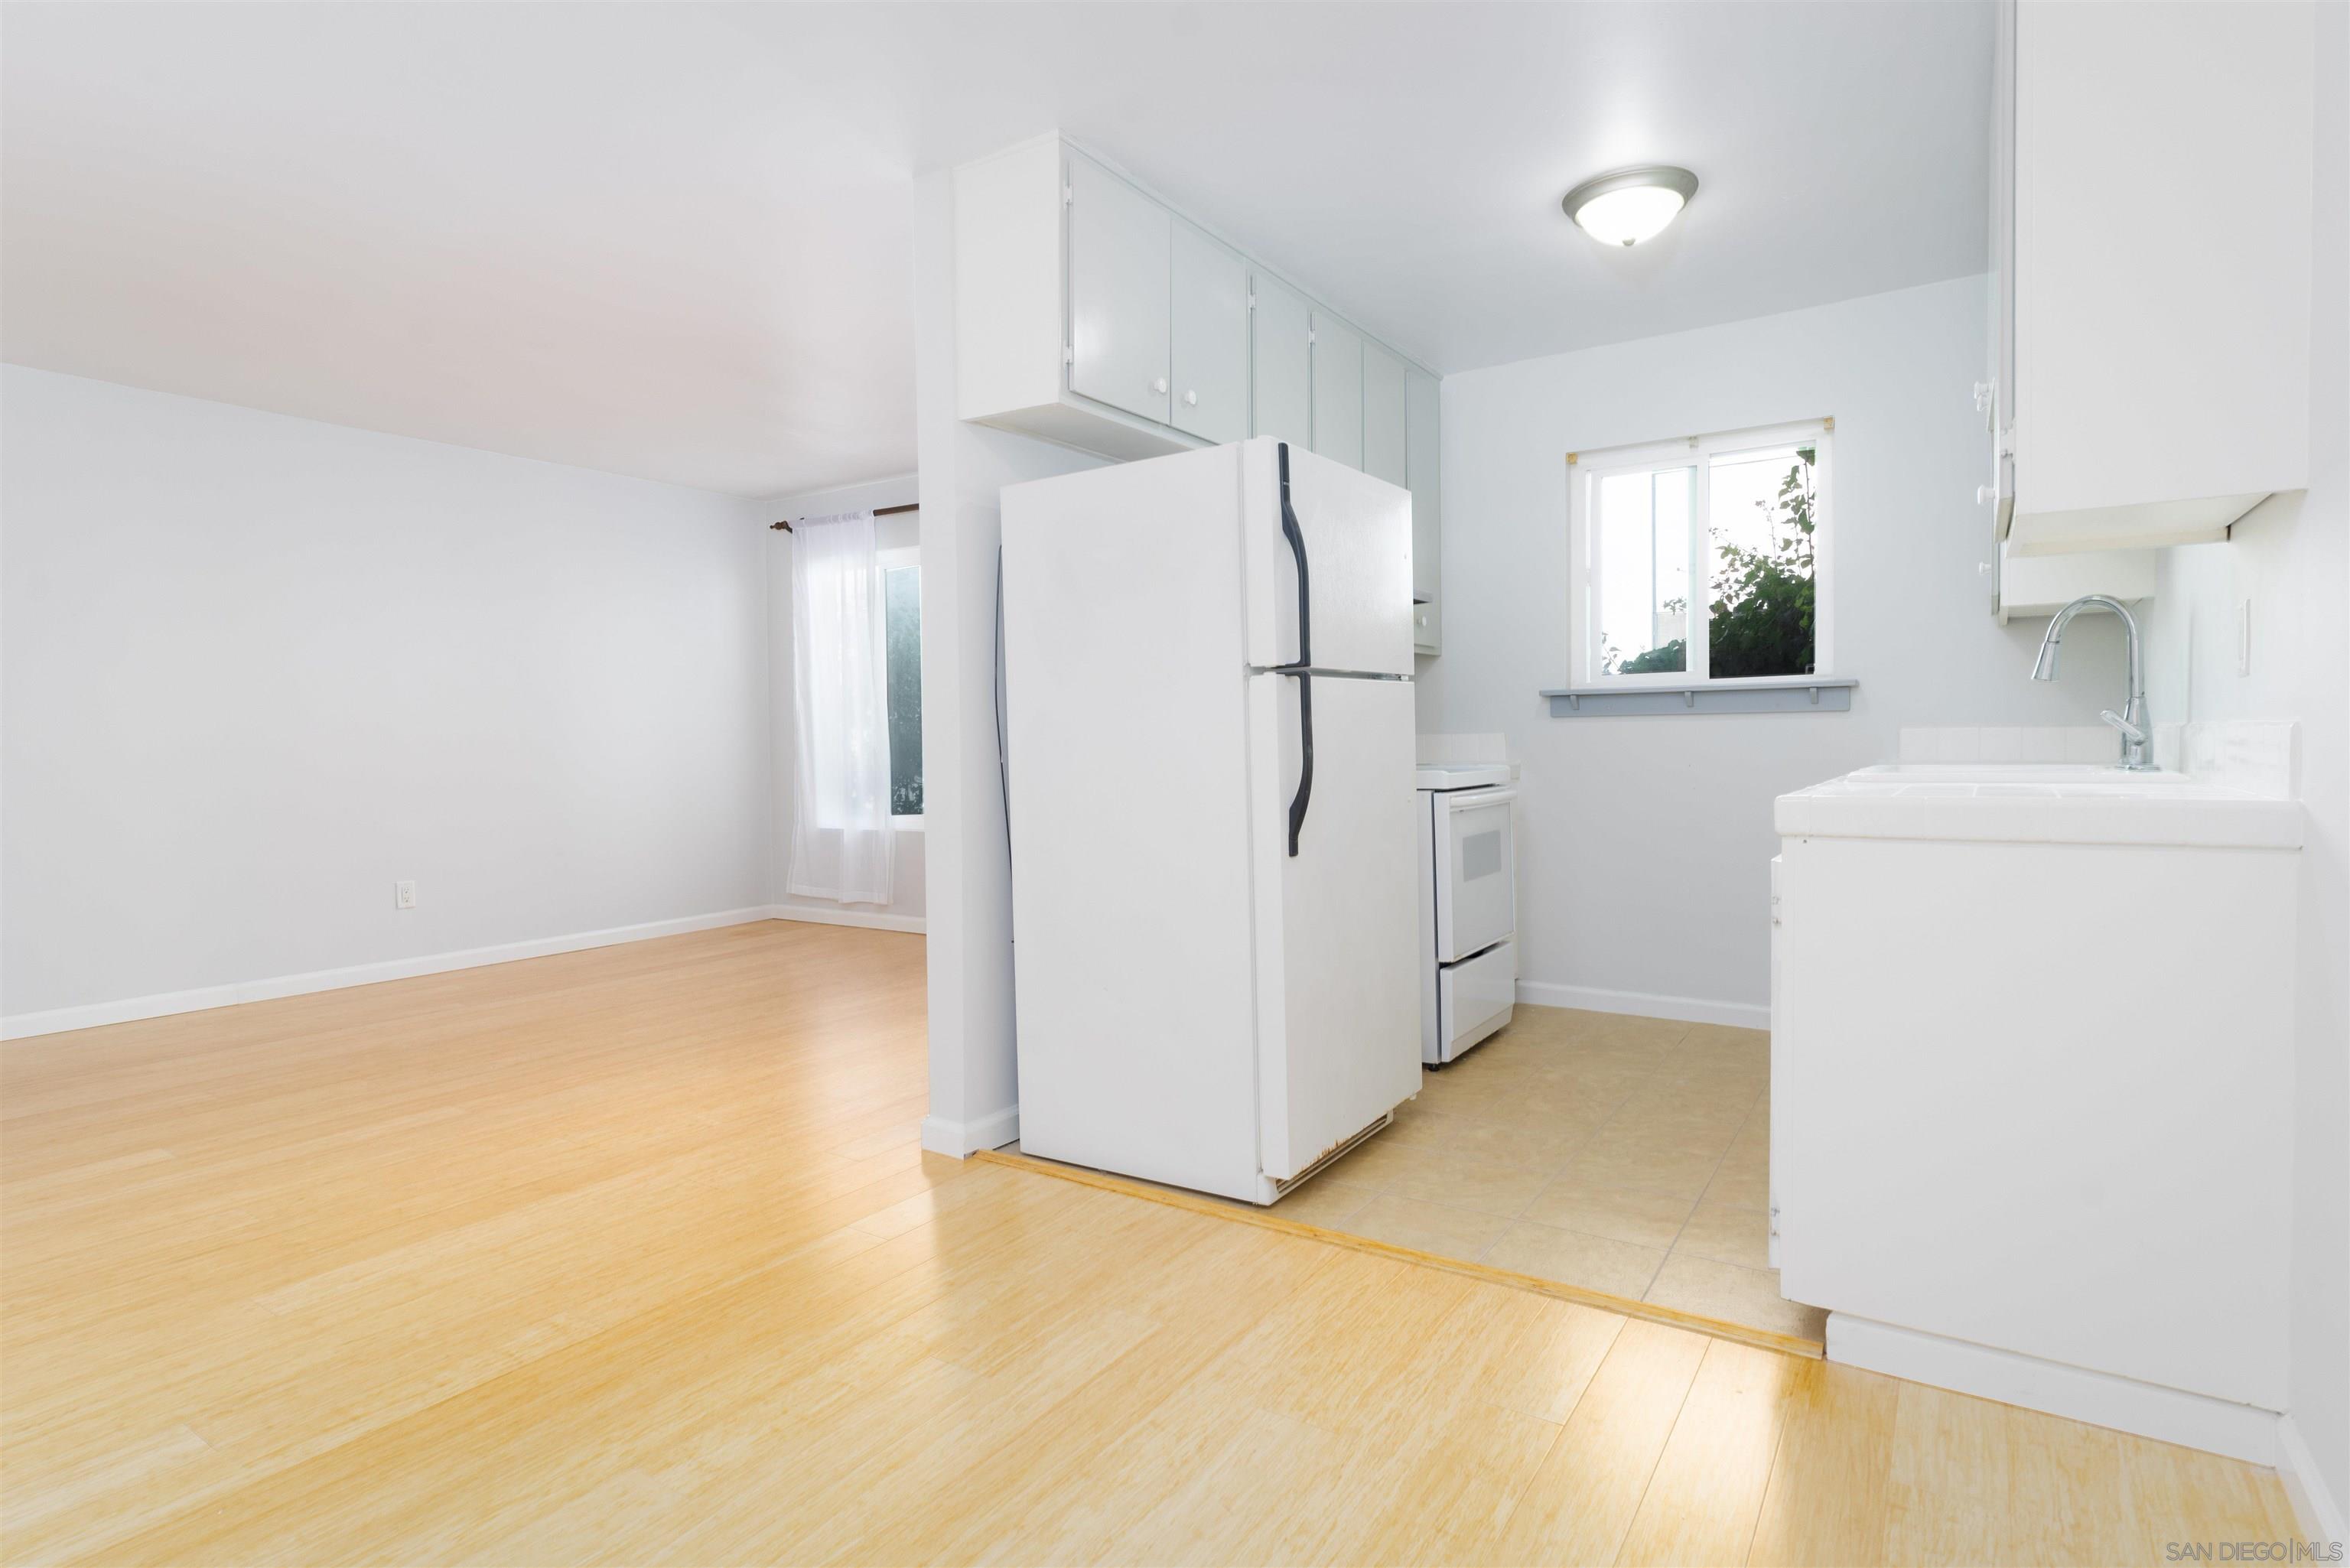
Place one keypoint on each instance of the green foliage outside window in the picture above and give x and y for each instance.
(1763, 599)
(901, 636)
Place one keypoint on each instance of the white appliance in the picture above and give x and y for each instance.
(1208, 730)
(1468, 905)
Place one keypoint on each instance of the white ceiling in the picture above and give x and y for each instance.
(670, 240)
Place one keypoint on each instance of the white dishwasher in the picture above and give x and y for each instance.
(1468, 905)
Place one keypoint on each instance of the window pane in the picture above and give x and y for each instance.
(1643, 571)
(902, 636)
(1760, 619)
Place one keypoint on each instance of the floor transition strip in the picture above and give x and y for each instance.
(1266, 1219)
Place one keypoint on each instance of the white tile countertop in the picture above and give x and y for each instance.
(2025, 803)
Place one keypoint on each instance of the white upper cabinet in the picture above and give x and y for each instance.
(1211, 334)
(1995, 395)
(1016, 303)
(1088, 312)
(1337, 389)
(1120, 292)
(1421, 404)
(1281, 361)
(2157, 379)
(1387, 452)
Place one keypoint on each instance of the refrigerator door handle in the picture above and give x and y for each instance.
(1305, 748)
(1300, 670)
(1297, 538)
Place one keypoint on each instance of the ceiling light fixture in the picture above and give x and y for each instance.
(1631, 204)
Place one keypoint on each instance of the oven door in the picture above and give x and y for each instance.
(1476, 866)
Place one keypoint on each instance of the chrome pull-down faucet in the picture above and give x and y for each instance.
(2138, 733)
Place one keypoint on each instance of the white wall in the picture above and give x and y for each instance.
(962, 468)
(2292, 558)
(257, 668)
(1646, 842)
(905, 906)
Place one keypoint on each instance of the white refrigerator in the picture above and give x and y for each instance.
(1207, 728)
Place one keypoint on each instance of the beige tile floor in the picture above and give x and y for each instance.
(1623, 1155)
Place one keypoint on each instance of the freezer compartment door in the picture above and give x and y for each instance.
(1337, 969)
(1354, 536)
(1476, 996)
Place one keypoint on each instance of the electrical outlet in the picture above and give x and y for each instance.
(403, 895)
(2244, 637)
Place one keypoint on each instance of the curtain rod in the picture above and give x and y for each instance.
(878, 512)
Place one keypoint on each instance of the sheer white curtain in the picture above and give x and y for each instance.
(842, 846)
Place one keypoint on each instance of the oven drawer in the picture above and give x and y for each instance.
(1476, 872)
(1474, 998)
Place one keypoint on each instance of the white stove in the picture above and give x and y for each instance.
(1468, 905)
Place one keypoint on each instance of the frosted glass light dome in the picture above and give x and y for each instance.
(1631, 204)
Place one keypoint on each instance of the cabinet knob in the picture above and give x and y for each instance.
(1190, 399)
(1159, 385)
(1985, 494)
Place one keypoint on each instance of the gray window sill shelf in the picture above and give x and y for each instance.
(1777, 694)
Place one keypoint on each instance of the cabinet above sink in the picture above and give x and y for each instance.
(1089, 313)
(2150, 222)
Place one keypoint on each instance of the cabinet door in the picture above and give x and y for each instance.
(1337, 389)
(1386, 443)
(1210, 352)
(1280, 363)
(2156, 373)
(2000, 421)
(1427, 505)
(1119, 292)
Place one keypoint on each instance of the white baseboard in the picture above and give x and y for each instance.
(2313, 1502)
(57, 1020)
(2149, 1409)
(872, 919)
(961, 1140)
(1642, 1004)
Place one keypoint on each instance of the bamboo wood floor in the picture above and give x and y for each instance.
(631, 1256)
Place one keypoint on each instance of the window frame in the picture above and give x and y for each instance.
(1586, 470)
(897, 558)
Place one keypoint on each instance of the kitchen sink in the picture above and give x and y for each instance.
(2038, 802)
